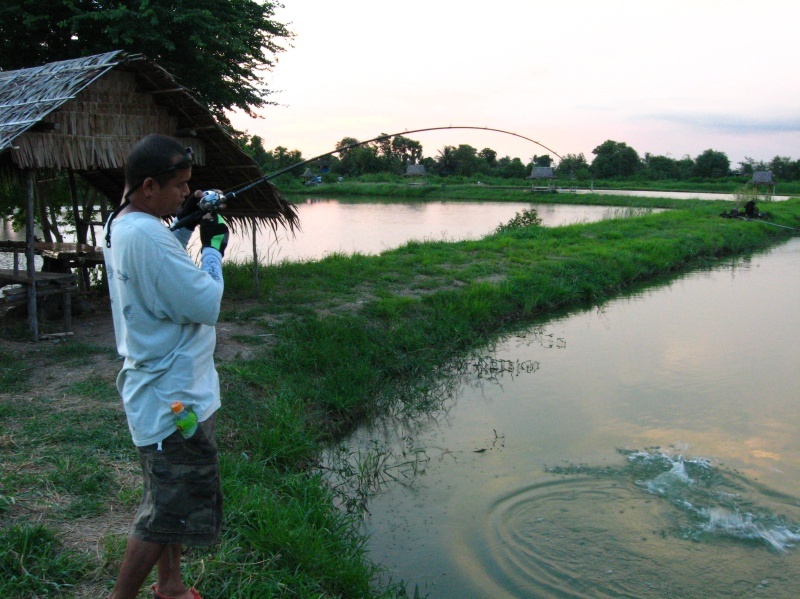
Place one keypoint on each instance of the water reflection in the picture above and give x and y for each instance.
(524, 492)
(372, 226)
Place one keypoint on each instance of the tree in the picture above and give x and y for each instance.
(614, 159)
(466, 160)
(445, 161)
(489, 156)
(573, 165)
(511, 168)
(215, 49)
(784, 169)
(542, 160)
(660, 168)
(396, 152)
(408, 151)
(359, 160)
(712, 165)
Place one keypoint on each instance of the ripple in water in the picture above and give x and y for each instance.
(659, 526)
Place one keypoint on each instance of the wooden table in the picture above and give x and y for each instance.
(56, 278)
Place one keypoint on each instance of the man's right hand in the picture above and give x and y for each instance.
(190, 207)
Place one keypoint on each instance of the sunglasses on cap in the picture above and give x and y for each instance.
(185, 162)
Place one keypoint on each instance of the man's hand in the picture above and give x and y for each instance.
(190, 207)
(214, 232)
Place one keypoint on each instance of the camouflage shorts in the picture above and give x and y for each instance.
(182, 500)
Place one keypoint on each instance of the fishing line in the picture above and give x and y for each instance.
(211, 200)
(756, 220)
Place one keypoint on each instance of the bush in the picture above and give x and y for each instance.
(527, 218)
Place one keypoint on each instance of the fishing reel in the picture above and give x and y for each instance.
(210, 201)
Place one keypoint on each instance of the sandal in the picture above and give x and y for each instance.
(192, 594)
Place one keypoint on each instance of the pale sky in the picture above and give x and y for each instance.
(670, 78)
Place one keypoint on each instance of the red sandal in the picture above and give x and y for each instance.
(193, 594)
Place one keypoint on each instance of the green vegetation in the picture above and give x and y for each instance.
(217, 50)
(331, 344)
(615, 165)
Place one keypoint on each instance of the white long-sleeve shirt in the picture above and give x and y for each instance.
(164, 310)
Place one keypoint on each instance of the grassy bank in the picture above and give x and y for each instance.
(327, 345)
(453, 188)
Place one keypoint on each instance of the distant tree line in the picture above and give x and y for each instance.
(612, 160)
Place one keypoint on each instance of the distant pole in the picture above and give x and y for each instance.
(30, 239)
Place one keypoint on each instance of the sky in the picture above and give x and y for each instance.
(669, 78)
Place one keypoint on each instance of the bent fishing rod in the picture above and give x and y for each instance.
(211, 201)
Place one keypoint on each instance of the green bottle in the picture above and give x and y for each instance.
(185, 420)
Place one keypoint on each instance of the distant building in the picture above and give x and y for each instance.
(416, 170)
(764, 178)
(542, 172)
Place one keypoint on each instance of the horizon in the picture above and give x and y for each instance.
(670, 80)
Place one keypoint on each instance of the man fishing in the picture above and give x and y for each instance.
(165, 309)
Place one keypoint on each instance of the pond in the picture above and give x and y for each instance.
(371, 226)
(644, 448)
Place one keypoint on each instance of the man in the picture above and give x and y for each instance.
(164, 310)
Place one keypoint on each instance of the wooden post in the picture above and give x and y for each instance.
(81, 225)
(255, 259)
(29, 255)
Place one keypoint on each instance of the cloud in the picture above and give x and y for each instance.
(732, 124)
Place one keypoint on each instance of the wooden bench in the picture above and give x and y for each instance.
(47, 284)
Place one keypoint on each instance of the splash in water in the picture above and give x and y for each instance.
(715, 502)
(711, 501)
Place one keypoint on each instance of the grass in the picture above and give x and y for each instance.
(463, 188)
(332, 344)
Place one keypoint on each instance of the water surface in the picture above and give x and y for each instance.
(372, 226)
(645, 448)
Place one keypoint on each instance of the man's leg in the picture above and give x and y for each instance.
(170, 582)
(140, 557)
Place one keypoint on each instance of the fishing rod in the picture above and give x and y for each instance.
(211, 201)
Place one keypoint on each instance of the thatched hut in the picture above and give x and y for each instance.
(83, 116)
(542, 172)
(416, 170)
(764, 178)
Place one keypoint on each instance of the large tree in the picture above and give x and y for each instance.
(573, 166)
(614, 159)
(215, 48)
(712, 164)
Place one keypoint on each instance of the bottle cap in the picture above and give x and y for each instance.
(177, 407)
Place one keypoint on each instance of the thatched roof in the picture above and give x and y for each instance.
(416, 170)
(86, 114)
(542, 172)
(763, 178)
